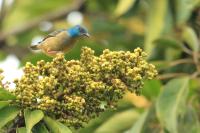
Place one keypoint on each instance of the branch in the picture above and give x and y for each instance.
(76, 5)
(17, 50)
(181, 61)
(171, 75)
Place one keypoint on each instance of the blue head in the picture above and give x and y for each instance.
(78, 31)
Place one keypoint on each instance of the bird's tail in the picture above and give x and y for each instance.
(34, 47)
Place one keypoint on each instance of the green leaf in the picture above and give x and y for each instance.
(123, 6)
(21, 130)
(145, 122)
(151, 89)
(52, 124)
(119, 122)
(190, 37)
(171, 101)
(168, 42)
(172, 54)
(161, 64)
(5, 95)
(155, 22)
(3, 104)
(7, 114)
(95, 123)
(183, 10)
(40, 128)
(63, 128)
(32, 118)
(55, 126)
(137, 128)
(189, 121)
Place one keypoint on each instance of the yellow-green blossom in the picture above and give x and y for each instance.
(74, 91)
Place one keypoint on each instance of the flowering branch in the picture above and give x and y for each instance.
(75, 91)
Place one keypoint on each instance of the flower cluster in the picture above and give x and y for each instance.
(77, 90)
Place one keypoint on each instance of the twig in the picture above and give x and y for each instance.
(77, 4)
(171, 75)
(196, 60)
(186, 50)
(181, 61)
(177, 62)
(16, 50)
(195, 75)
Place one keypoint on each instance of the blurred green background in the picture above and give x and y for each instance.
(168, 30)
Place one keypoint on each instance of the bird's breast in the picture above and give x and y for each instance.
(61, 42)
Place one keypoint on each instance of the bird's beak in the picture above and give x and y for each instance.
(86, 34)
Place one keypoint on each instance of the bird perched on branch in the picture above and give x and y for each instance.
(61, 41)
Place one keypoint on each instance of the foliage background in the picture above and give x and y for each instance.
(168, 30)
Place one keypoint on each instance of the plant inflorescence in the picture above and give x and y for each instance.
(77, 90)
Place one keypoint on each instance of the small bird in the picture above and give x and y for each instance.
(61, 41)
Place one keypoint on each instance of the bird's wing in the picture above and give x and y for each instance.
(53, 34)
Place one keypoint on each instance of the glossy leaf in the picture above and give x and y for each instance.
(123, 6)
(172, 54)
(161, 64)
(40, 128)
(3, 104)
(168, 42)
(189, 121)
(32, 118)
(56, 127)
(137, 128)
(171, 102)
(119, 122)
(5, 95)
(21, 130)
(183, 9)
(145, 122)
(151, 89)
(190, 37)
(98, 121)
(63, 128)
(7, 114)
(155, 22)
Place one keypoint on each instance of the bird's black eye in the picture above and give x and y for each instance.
(81, 29)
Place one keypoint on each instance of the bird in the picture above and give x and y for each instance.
(61, 41)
